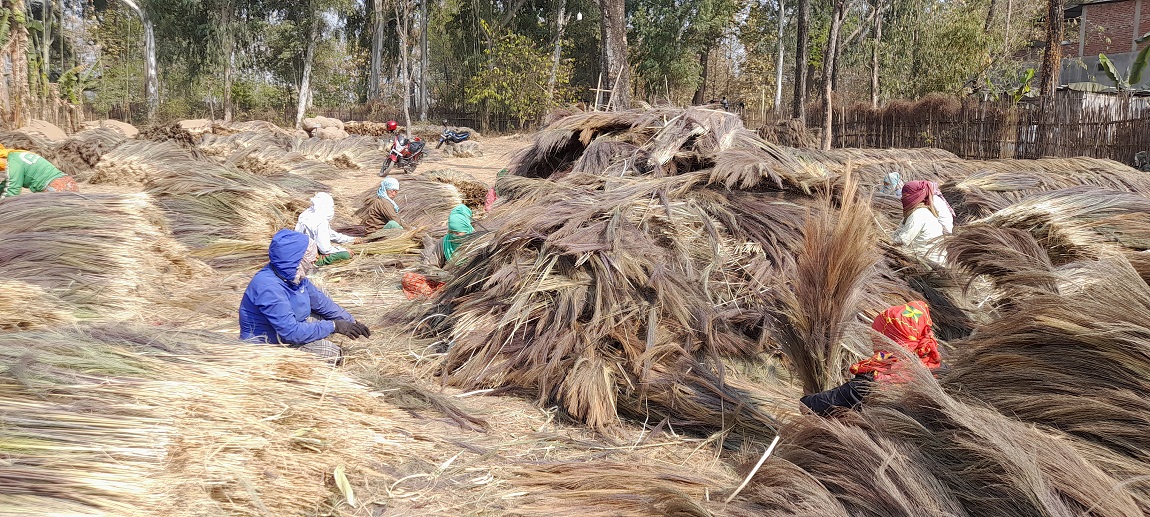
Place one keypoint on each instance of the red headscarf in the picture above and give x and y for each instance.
(908, 325)
(914, 193)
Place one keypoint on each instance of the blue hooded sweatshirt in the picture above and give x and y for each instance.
(275, 309)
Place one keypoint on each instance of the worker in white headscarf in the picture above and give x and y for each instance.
(381, 211)
(315, 222)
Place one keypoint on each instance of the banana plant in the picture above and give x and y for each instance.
(1023, 89)
(1133, 76)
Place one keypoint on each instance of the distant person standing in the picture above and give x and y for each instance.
(21, 169)
(725, 104)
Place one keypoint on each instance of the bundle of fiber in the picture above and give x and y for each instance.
(25, 306)
(130, 421)
(472, 191)
(265, 154)
(366, 128)
(588, 296)
(978, 189)
(922, 451)
(666, 142)
(136, 162)
(1081, 222)
(791, 133)
(595, 489)
(835, 262)
(207, 204)
(174, 133)
(78, 154)
(1077, 362)
(28, 142)
(108, 255)
(358, 152)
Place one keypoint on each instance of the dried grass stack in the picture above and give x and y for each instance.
(209, 205)
(354, 153)
(25, 306)
(128, 421)
(136, 162)
(79, 153)
(616, 296)
(107, 255)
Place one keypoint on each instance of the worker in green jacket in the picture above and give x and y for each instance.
(20, 169)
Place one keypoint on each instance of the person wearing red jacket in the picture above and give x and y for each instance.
(910, 327)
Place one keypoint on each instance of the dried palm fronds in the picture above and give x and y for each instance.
(131, 422)
(80, 152)
(25, 306)
(922, 451)
(108, 255)
(472, 192)
(174, 133)
(423, 203)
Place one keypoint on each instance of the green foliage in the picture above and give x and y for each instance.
(668, 37)
(513, 79)
(1133, 76)
(1024, 88)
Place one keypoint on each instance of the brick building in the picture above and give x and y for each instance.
(1103, 26)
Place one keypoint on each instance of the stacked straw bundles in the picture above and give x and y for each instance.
(125, 421)
(108, 255)
(602, 293)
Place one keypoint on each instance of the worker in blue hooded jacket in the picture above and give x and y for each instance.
(279, 300)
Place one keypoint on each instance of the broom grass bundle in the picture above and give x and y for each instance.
(831, 270)
(79, 153)
(919, 450)
(353, 152)
(1078, 361)
(107, 255)
(209, 205)
(131, 422)
(1080, 223)
(25, 306)
(136, 162)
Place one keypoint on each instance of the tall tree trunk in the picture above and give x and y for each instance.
(830, 56)
(802, 56)
(229, 68)
(151, 71)
(779, 61)
(705, 65)
(42, 95)
(989, 16)
(613, 51)
(874, 86)
(402, 16)
(15, 56)
(305, 81)
(229, 15)
(1052, 56)
(424, 61)
(560, 22)
(375, 78)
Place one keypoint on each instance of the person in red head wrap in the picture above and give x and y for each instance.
(910, 327)
(920, 228)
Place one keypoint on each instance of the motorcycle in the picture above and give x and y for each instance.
(405, 153)
(451, 137)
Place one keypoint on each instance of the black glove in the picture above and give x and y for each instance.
(352, 329)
